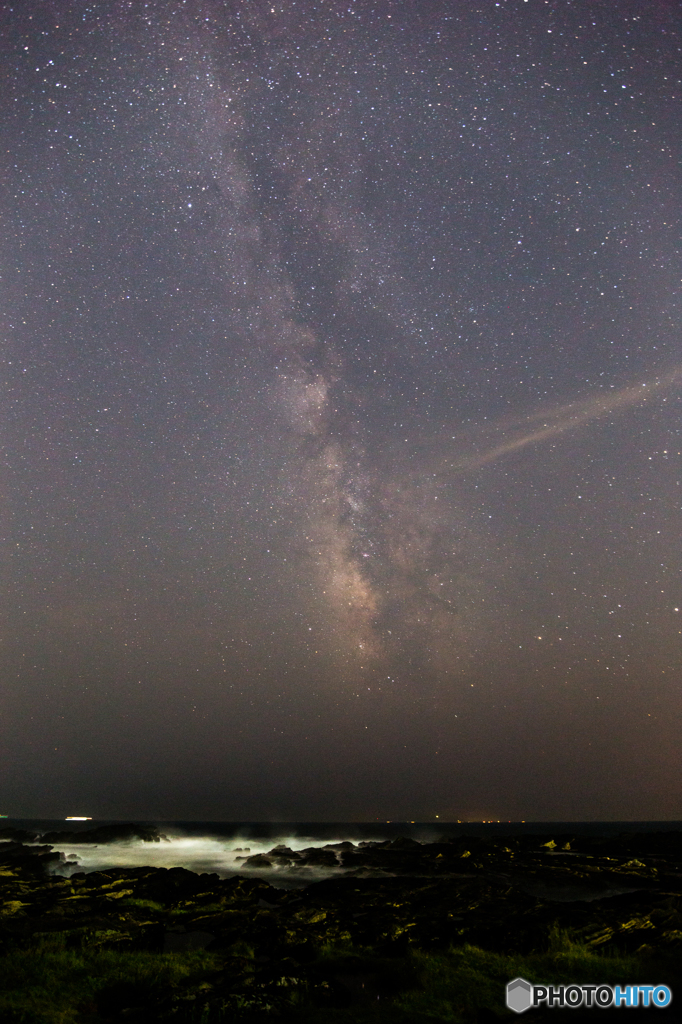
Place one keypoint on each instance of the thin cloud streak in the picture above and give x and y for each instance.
(571, 417)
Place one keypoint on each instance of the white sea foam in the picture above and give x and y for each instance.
(225, 857)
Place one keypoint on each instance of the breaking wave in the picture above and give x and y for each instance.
(224, 857)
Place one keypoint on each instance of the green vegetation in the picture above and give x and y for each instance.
(416, 941)
(454, 986)
(50, 982)
(142, 904)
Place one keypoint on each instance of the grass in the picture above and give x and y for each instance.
(134, 902)
(50, 983)
(458, 985)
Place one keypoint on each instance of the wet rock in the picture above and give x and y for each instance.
(259, 860)
(19, 835)
(405, 843)
(315, 856)
(106, 834)
(510, 895)
(281, 855)
(35, 860)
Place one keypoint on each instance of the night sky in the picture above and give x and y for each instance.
(341, 410)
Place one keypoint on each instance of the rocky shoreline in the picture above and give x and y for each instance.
(507, 895)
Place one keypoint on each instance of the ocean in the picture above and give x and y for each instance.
(223, 848)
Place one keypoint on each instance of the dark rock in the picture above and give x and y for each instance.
(19, 835)
(176, 941)
(106, 834)
(281, 855)
(405, 843)
(173, 884)
(510, 895)
(28, 859)
(123, 997)
(259, 860)
(315, 856)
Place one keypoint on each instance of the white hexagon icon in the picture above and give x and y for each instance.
(519, 995)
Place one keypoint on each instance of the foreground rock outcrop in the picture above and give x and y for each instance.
(505, 895)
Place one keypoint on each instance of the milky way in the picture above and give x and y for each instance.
(341, 404)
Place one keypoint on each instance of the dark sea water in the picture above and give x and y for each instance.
(355, 831)
(224, 846)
